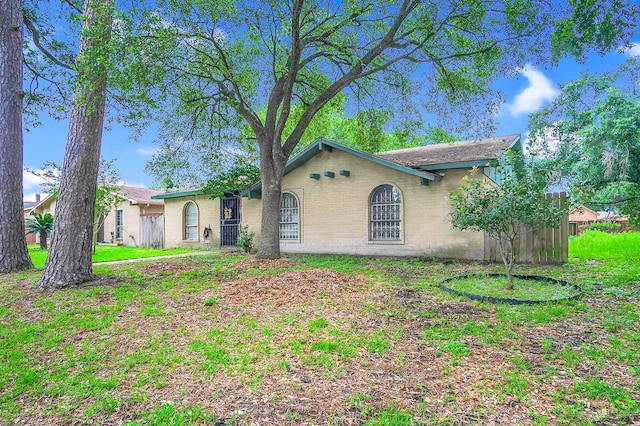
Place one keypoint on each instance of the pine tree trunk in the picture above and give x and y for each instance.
(271, 173)
(13, 244)
(69, 259)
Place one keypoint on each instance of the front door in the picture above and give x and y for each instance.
(229, 220)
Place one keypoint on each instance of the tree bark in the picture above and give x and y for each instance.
(69, 259)
(13, 244)
(272, 163)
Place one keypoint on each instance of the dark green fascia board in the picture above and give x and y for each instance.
(322, 144)
(458, 165)
(177, 194)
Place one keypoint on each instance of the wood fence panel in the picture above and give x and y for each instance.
(538, 246)
(152, 231)
(564, 226)
(490, 248)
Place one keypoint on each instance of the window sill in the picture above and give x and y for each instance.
(386, 242)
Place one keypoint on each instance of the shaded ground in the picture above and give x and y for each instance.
(251, 341)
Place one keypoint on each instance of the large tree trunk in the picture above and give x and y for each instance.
(69, 259)
(271, 173)
(13, 244)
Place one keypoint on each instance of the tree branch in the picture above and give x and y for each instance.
(35, 37)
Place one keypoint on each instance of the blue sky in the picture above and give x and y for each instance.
(525, 93)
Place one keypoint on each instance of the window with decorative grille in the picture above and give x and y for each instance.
(385, 217)
(191, 221)
(289, 223)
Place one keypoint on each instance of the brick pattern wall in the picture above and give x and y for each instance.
(334, 214)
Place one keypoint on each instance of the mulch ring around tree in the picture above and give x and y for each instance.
(444, 285)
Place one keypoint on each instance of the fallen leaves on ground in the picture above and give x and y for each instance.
(288, 386)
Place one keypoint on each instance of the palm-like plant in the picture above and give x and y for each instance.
(40, 224)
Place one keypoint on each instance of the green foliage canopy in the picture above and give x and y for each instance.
(216, 65)
(593, 129)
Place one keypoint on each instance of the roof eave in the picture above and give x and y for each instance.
(456, 165)
(177, 194)
(322, 144)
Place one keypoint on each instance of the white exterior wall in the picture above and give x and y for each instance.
(130, 221)
(208, 215)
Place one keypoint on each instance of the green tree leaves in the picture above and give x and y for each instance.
(500, 210)
(593, 128)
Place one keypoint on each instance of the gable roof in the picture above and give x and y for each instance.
(27, 205)
(46, 201)
(453, 155)
(423, 162)
(138, 195)
(133, 194)
(327, 145)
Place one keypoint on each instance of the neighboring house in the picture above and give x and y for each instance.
(42, 206)
(581, 217)
(27, 206)
(336, 199)
(135, 221)
(129, 223)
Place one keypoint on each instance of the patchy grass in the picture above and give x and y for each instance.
(106, 253)
(220, 339)
(496, 286)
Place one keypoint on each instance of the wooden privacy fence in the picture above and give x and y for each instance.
(540, 245)
(152, 231)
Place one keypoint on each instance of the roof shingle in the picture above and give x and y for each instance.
(448, 153)
(139, 195)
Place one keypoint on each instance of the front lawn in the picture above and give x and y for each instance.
(106, 253)
(222, 339)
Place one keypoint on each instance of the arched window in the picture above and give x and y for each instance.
(289, 217)
(191, 221)
(385, 214)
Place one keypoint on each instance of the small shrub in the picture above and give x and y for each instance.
(245, 240)
(610, 227)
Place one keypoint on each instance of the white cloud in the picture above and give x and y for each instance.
(146, 151)
(29, 180)
(134, 185)
(530, 100)
(634, 50)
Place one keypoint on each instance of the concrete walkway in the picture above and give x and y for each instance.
(168, 256)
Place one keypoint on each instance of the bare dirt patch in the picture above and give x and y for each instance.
(292, 287)
(167, 268)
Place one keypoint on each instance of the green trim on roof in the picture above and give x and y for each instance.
(458, 165)
(177, 194)
(322, 144)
